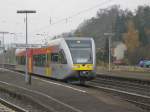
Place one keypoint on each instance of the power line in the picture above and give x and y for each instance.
(72, 16)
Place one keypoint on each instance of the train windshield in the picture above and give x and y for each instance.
(81, 51)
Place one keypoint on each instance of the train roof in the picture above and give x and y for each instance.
(57, 41)
(78, 38)
(61, 39)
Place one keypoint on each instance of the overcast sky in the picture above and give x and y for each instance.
(39, 23)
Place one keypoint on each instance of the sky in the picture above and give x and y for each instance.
(48, 13)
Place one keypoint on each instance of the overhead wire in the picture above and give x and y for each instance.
(72, 16)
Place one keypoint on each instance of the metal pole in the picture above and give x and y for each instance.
(27, 76)
(109, 53)
(3, 53)
(109, 36)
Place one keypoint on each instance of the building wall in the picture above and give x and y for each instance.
(119, 51)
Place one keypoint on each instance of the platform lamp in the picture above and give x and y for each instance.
(26, 12)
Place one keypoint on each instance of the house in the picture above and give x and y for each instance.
(118, 52)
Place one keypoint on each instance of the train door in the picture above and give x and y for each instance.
(55, 65)
(30, 61)
(63, 64)
(60, 68)
(48, 69)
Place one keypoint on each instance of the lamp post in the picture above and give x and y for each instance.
(26, 12)
(109, 37)
(3, 47)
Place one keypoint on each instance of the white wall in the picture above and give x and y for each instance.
(119, 51)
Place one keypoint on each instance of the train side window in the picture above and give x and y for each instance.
(62, 57)
(24, 60)
(21, 60)
(43, 59)
(39, 60)
(35, 60)
(55, 57)
(17, 59)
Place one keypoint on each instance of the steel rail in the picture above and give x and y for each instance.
(135, 92)
(12, 106)
(123, 85)
(138, 99)
(139, 88)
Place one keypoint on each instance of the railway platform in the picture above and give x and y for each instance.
(61, 97)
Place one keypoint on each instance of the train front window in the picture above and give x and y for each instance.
(81, 55)
(81, 51)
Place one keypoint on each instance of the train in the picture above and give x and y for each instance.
(69, 59)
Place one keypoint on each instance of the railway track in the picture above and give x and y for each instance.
(133, 90)
(6, 106)
(125, 84)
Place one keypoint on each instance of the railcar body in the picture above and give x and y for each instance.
(64, 58)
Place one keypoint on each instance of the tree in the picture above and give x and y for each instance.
(131, 40)
(142, 22)
(131, 37)
(132, 28)
(106, 50)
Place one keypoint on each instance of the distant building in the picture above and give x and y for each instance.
(118, 53)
